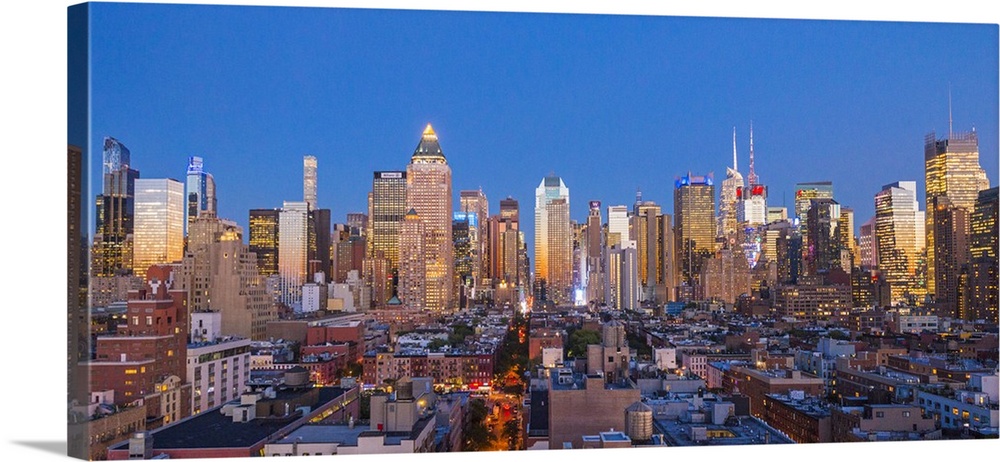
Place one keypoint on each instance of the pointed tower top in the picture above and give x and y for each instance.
(428, 150)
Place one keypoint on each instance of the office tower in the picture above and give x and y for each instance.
(387, 206)
(951, 169)
(115, 212)
(646, 232)
(868, 244)
(159, 223)
(474, 201)
(200, 190)
(428, 192)
(505, 248)
(293, 252)
(618, 227)
(309, 181)
(694, 226)
(981, 296)
(463, 228)
(595, 254)
(781, 245)
(727, 221)
(413, 261)
(823, 252)
(357, 224)
(621, 280)
(951, 250)
(666, 266)
(579, 262)
(553, 246)
(220, 274)
(849, 252)
(804, 193)
(264, 239)
(320, 245)
(899, 240)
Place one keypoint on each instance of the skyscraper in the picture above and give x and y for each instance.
(200, 190)
(727, 221)
(428, 193)
(553, 239)
(264, 239)
(474, 201)
(804, 193)
(388, 206)
(618, 227)
(694, 226)
(112, 252)
(595, 254)
(159, 223)
(951, 169)
(951, 249)
(412, 262)
(309, 181)
(899, 239)
(293, 251)
(823, 252)
(981, 295)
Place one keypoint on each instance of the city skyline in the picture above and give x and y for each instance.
(813, 120)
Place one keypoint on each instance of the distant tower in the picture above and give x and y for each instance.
(200, 190)
(428, 193)
(732, 186)
(264, 239)
(309, 181)
(412, 262)
(112, 252)
(951, 169)
(159, 223)
(293, 251)
(899, 239)
(752, 177)
(553, 239)
(694, 226)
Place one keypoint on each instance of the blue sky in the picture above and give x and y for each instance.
(609, 103)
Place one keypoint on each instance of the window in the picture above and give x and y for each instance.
(879, 414)
(906, 413)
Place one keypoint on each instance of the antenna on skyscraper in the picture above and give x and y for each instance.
(752, 178)
(949, 110)
(734, 149)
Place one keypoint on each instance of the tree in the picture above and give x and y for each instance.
(512, 431)
(578, 341)
(477, 436)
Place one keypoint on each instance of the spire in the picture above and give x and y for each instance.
(949, 110)
(752, 178)
(429, 131)
(735, 167)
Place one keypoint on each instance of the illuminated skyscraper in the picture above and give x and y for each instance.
(618, 227)
(899, 239)
(112, 252)
(727, 222)
(474, 201)
(159, 223)
(553, 239)
(804, 193)
(200, 190)
(981, 295)
(951, 169)
(264, 239)
(463, 229)
(412, 262)
(388, 206)
(824, 249)
(868, 244)
(646, 231)
(428, 192)
(694, 226)
(309, 181)
(293, 252)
